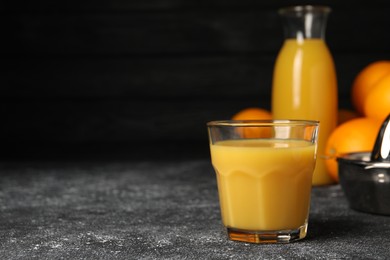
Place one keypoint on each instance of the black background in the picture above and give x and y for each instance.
(109, 77)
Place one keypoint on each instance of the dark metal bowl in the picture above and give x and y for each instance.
(366, 184)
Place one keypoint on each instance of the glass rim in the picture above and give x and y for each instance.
(304, 9)
(263, 122)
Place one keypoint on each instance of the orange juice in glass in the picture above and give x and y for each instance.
(264, 183)
(304, 80)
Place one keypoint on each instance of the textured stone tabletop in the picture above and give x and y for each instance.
(157, 210)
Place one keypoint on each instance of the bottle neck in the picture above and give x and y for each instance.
(304, 22)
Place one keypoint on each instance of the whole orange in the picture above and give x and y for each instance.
(365, 80)
(377, 102)
(356, 135)
(253, 113)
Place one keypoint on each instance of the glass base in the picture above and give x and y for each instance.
(271, 236)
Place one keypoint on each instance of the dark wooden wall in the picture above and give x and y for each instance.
(110, 75)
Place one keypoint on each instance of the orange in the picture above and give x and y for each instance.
(345, 115)
(253, 113)
(377, 102)
(356, 135)
(365, 80)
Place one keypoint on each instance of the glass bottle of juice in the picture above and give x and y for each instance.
(304, 80)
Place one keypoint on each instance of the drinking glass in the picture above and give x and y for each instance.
(264, 172)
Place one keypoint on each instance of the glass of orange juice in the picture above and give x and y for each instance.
(264, 172)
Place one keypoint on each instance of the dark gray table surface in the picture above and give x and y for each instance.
(157, 210)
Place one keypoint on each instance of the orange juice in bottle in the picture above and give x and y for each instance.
(304, 80)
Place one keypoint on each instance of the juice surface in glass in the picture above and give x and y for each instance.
(264, 184)
(305, 87)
